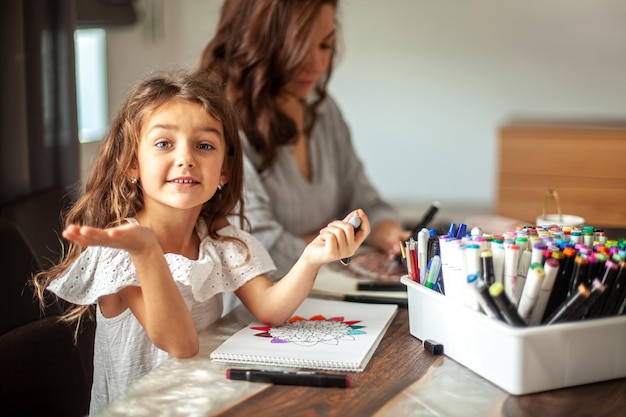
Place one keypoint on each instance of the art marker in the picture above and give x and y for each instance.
(608, 279)
(414, 263)
(511, 261)
(597, 290)
(307, 378)
(528, 300)
(409, 264)
(426, 219)
(551, 270)
(422, 250)
(482, 243)
(372, 299)
(471, 295)
(472, 259)
(498, 251)
(505, 306)
(522, 244)
(561, 283)
(570, 305)
(380, 286)
(596, 265)
(522, 271)
(537, 253)
(486, 301)
(579, 272)
(434, 269)
(615, 293)
(433, 346)
(355, 221)
(452, 230)
(461, 232)
(488, 274)
(588, 236)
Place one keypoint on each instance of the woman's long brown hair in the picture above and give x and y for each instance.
(257, 49)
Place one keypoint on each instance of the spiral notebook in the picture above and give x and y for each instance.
(321, 334)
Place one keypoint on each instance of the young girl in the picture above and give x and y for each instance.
(149, 241)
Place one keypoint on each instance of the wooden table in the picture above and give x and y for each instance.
(401, 379)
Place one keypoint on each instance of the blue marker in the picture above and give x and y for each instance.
(461, 232)
(452, 230)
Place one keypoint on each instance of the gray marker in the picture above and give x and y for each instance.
(355, 221)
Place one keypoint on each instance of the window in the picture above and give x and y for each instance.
(91, 84)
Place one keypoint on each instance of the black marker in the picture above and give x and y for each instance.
(355, 221)
(308, 378)
(505, 306)
(485, 300)
(372, 299)
(608, 279)
(433, 346)
(428, 217)
(569, 306)
(616, 293)
(380, 286)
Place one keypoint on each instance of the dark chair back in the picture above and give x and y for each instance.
(42, 371)
(38, 217)
(18, 306)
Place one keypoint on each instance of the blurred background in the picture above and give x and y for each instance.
(425, 85)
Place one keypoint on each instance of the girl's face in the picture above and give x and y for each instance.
(181, 156)
(317, 59)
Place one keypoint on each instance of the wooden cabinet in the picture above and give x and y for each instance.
(585, 164)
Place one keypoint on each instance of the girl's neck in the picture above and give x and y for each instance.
(175, 232)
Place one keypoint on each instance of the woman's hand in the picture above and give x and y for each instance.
(387, 237)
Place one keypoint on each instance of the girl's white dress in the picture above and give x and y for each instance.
(123, 353)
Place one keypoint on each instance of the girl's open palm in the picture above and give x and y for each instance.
(133, 238)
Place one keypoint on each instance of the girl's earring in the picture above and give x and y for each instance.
(134, 180)
(220, 186)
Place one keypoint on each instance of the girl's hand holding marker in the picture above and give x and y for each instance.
(355, 221)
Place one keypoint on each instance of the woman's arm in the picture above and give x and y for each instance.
(285, 248)
(157, 304)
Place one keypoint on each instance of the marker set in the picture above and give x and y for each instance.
(530, 276)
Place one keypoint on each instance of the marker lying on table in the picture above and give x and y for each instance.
(433, 346)
(355, 221)
(308, 378)
(380, 286)
(371, 299)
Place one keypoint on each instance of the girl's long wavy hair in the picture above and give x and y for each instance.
(110, 196)
(257, 49)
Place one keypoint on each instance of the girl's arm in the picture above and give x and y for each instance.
(275, 303)
(157, 304)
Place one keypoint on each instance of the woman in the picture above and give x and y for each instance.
(276, 58)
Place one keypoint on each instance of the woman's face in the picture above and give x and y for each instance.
(317, 58)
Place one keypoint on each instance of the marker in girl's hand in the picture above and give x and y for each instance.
(355, 221)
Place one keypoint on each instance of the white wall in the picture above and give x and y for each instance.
(425, 84)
